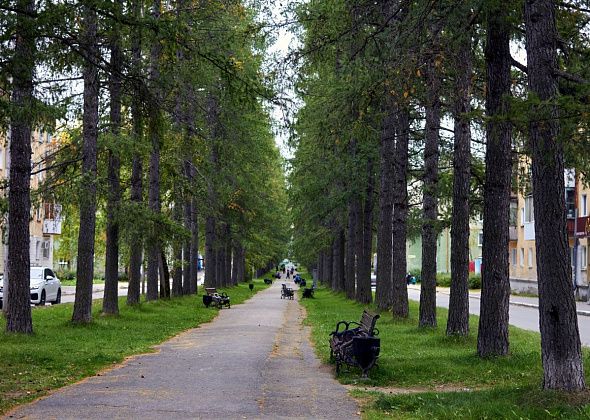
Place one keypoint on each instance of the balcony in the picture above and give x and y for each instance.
(579, 228)
(52, 227)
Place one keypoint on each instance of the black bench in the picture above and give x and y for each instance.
(307, 292)
(356, 344)
(286, 292)
(267, 281)
(216, 299)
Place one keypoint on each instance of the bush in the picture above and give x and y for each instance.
(475, 281)
(66, 274)
(443, 280)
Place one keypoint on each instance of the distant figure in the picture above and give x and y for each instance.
(288, 275)
(284, 269)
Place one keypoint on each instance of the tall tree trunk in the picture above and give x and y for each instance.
(85, 263)
(210, 265)
(110, 302)
(560, 339)
(186, 287)
(227, 268)
(321, 266)
(328, 266)
(155, 129)
(458, 317)
(400, 306)
(17, 294)
(430, 199)
(236, 263)
(384, 232)
(136, 243)
(177, 253)
(363, 291)
(164, 276)
(194, 246)
(338, 262)
(492, 338)
(350, 259)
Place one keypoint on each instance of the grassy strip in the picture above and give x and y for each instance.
(60, 353)
(445, 375)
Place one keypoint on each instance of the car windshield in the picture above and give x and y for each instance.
(36, 273)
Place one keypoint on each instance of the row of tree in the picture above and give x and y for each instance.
(166, 130)
(416, 117)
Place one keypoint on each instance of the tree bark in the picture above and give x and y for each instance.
(85, 263)
(458, 317)
(187, 241)
(194, 245)
(400, 306)
(177, 253)
(110, 302)
(235, 263)
(155, 122)
(210, 264)
(350, 258)
(136, 243)
(164, 276)
(338, 262)
(560, 339)
(430, 195)
(492, 338)
(364, 294)
(17, 293)
(384, 231)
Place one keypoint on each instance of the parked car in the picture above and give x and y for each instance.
(44, 286)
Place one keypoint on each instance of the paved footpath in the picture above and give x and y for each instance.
(253, 361)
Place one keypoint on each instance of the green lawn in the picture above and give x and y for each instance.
(446, 377)
(59, 353)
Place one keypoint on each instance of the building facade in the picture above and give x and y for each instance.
(523, 262)
(45, 221)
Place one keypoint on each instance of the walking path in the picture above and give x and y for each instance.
(253, 361)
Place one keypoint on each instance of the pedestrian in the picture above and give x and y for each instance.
(288, 275)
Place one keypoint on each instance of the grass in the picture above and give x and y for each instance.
(446, 377)
(60, 353)
(72, 282)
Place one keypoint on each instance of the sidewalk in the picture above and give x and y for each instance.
(583, 308)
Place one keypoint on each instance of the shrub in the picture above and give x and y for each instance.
(443, 279)
(475, 281)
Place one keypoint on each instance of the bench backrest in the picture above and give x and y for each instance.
(368, 321)
(210, 290)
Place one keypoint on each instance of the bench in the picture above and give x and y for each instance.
(307, 292)
(356, 344)
(216, 299)
(286, 292)
(267, 281)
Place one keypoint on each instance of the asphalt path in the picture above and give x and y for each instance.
(525, 317)
(253, 361)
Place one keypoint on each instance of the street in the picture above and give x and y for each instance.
(520, 316)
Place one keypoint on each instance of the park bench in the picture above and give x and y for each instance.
(286, 292)
(356, 344)
(214, 298)
(308, 292)
(267, 281)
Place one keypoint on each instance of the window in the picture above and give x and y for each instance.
(522, 257)
(530, 257)
(480, 239)
(570, 203)
(514, 256)
(583, 257)
(45, 247)
(529, 209)
(513, 212)
(584, 203)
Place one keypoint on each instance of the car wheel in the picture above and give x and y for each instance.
(42, 300)
(57, 298)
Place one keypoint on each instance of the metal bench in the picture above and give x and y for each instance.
(286, 292)
(356, 344)
(216, 299)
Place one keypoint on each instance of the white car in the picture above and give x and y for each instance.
(44, 286)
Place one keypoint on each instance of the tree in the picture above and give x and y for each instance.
(492, 338)
(18, 311)
(560, 339)
(85, 263)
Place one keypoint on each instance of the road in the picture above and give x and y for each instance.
(525, 317)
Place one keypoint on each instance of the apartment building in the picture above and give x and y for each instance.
(45, 216)
(523, 263)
